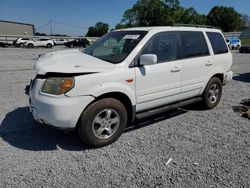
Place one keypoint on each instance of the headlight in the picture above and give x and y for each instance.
(57, 85)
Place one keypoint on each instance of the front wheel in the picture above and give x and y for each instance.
(212, 93)
(49, 45)
(102, 122)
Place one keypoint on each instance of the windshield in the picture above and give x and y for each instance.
(115, 46)
(235, 41)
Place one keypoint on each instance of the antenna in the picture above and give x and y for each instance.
(50, 25)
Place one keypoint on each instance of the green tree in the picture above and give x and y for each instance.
(226, 18)
(150, 13)
(189, 16)
(98, 30)
(159, 13)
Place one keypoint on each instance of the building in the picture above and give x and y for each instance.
(16, 28)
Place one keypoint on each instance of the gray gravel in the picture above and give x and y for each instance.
(207, 148)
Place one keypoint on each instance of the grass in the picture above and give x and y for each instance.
(245, 41)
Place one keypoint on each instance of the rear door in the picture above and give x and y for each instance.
(222, 57)
(196, 63)
(43, 42)
(159, 84)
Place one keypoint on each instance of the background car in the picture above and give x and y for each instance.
(244, 49)
(235, 44)
(2, 44)
(43, 42)
(78, 43)
(228, 43)
(60, 41)
(21, 41)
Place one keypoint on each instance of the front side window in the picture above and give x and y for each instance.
(218, 43)
(115, 46)
(193, 44)
(164, 46)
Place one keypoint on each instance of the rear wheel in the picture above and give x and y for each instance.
(212, 93)
(103, 122)
(71, 45)
(30, 45)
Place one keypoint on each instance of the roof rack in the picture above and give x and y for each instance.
(194, 25)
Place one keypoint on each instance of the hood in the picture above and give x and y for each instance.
(70, 61)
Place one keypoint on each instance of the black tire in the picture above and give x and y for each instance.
(49, 45)
(71, 45)
(30, 45)
(21, 44)
(96, 134)
(212, 98)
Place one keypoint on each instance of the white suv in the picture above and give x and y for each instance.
(128, 74)
(20, 41)
(43, 42)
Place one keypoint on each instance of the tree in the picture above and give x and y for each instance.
(159, 13)
(98, 30)
(150, 13)
(245, 21)
(226, 18)
(189, 16)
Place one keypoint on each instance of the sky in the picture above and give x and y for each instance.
(73, 17)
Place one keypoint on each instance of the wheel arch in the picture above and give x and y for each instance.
(217, 75)
(220, 76)
(124, 99)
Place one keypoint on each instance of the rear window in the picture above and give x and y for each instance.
(193, 44)
(218, 43)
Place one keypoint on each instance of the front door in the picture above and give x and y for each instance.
(159, 84)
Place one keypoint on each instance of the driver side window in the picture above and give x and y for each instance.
(164, 45)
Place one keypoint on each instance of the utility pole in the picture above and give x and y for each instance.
(50, 28)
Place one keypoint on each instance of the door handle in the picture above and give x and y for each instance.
(175, 69)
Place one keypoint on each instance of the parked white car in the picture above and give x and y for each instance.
(60, 41)
(42, 42)
(235, 44)
(21, 41)
(127, 74)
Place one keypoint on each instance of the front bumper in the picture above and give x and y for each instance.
(58, 111)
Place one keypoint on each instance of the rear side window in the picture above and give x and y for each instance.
(193, 44)
(165, 45)
(218, 43)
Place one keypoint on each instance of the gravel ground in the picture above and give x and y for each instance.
(207, 148)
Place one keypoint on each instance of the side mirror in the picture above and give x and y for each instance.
(148, 59)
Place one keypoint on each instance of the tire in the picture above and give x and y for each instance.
(30, 45)
(21, 44)
(95, 125)
(212, 93)
(49, 45)
(71, 45)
